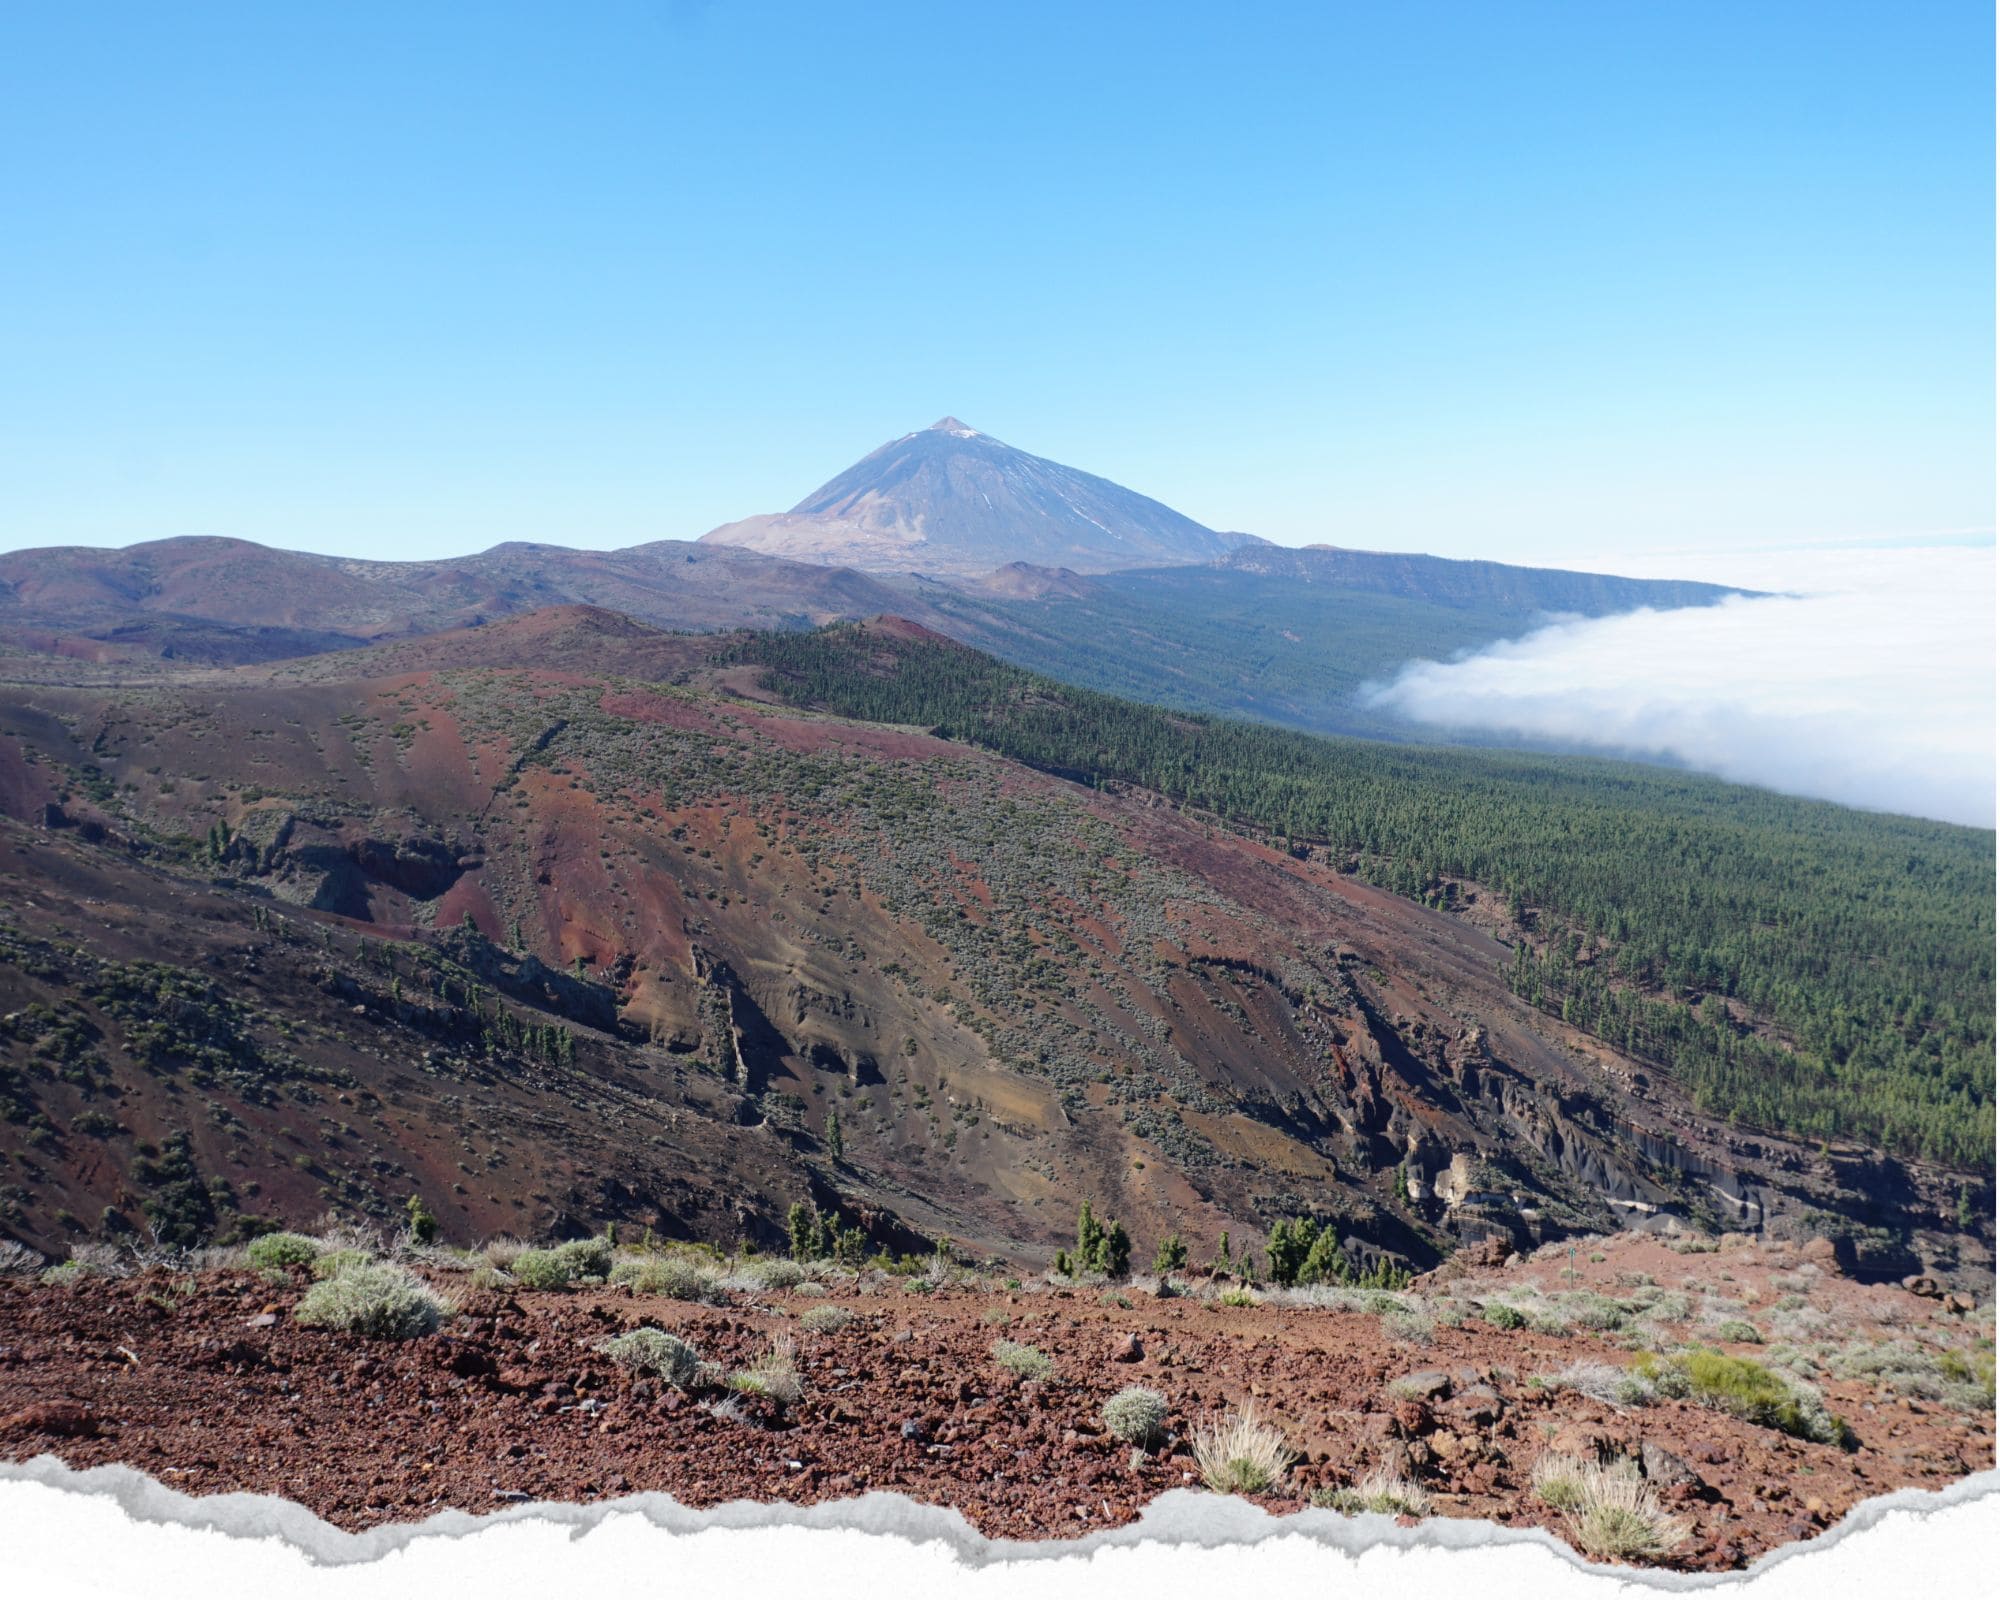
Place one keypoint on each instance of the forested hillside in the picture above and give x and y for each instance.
(1793, 964)
(1284, 636)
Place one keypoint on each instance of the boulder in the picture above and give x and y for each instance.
(1661, 1466)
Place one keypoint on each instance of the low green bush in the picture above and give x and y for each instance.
(332, 1263)
(773, 1274)
(376, 1300)
(1747, 1389)
(586, 1258)
(281, 1250)
(1023, 1360)
(656, 1351)
(1136, 1414)
(544, 1269)
(671, 1276)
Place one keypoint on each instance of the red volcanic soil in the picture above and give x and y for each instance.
(210, 1385)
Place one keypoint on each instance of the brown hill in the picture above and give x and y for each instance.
(545, 922)
(229, 600)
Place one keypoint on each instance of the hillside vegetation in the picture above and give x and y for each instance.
(1793, 965)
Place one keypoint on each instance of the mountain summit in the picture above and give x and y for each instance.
(954, 501)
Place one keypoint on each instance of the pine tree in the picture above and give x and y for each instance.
(1089, 1238)
(802, 1223)
(1114, 1257)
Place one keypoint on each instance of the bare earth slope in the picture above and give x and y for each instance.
(554, 944)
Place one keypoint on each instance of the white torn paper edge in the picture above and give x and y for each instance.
(64, 1529)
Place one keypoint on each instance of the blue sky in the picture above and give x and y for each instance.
(1516, 280)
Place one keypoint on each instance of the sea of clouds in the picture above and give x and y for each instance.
(1869, 680)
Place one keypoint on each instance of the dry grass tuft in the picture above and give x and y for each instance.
(1240, 1455)
(1614, 1513)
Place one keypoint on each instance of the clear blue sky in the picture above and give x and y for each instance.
(1508, 279)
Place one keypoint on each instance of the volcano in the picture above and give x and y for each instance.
(952, 501)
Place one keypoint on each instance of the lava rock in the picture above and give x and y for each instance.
(58, 1419)
(1662, 1466)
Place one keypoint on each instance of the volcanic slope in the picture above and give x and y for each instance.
(553, 945)
(952, 500)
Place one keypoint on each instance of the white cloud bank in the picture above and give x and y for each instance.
(1874, 686)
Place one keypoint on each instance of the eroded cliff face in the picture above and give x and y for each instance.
(665, 939)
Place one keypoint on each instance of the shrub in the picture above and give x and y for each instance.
(775, 1274)
(586, 1258)
(332, 1263)
(282, 1250)
(1737, 1332)
(1961, 1380)
(543, 1269)
(88, 1261)
(1615, 1386)
(374, 1299)
(654, 1350)
(1747, 1389)
(1501, 1315)
(1240, 1455)
(17, 1260)
(1237, 1297)
(502, 1252)
(488, 1277)
(671, 1276)
(1023, 1360)
(826, 1319)
(1380, 1491)
(1137, 1415)
(775, 1375)
(1672, 1305)
(423, 1225)
(1408, 1325)
(1594, 1311)
(1973, 1374)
